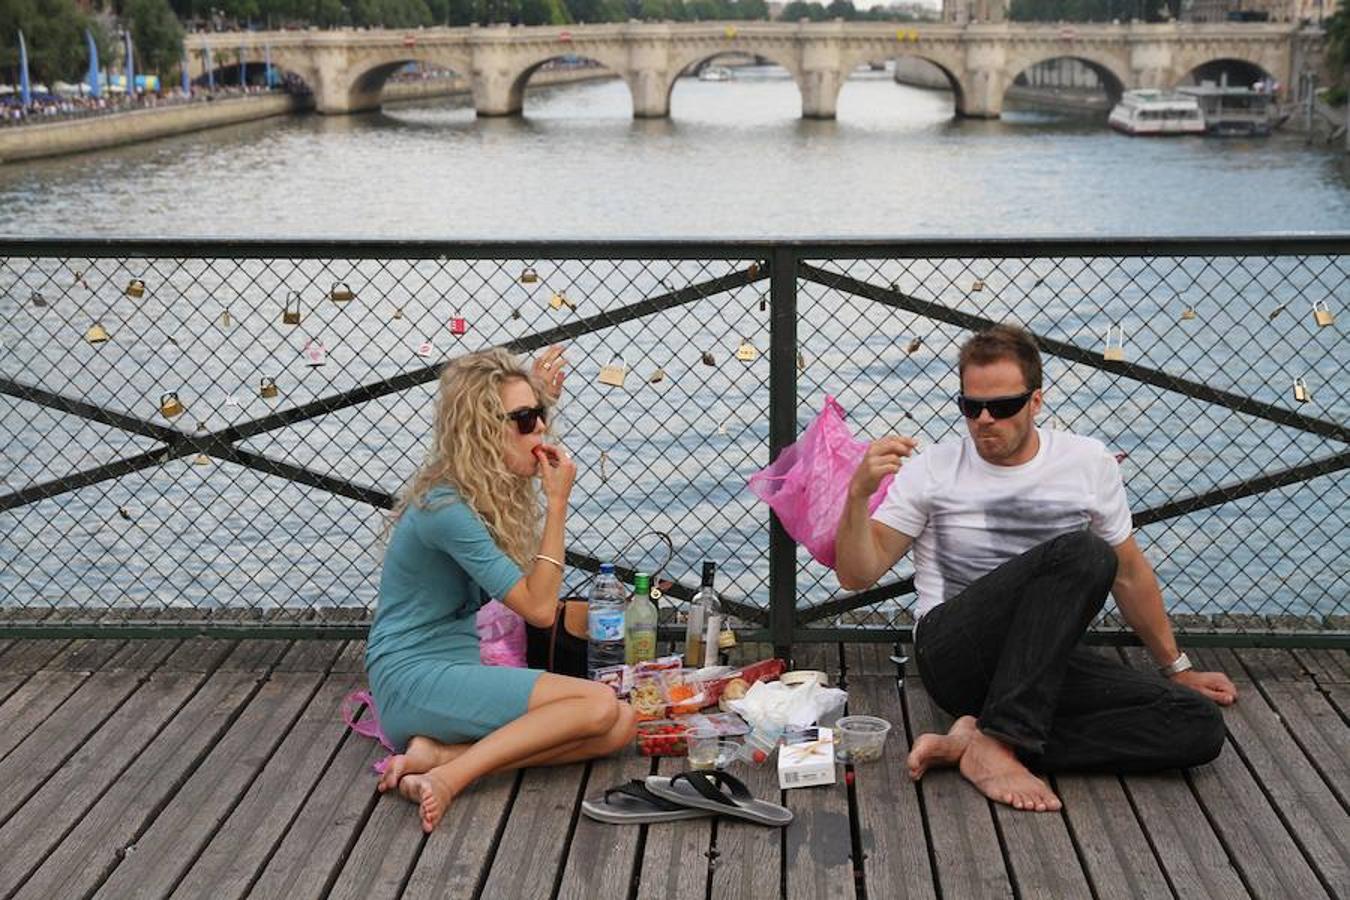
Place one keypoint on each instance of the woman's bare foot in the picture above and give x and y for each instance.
(994, 769)
(423, 755)
(933, 750)
(430, 793)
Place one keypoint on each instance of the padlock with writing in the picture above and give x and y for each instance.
(316, 354)
(1115, 352)
(170, 405)
(529, 276)
(290, 313)
(96, 334)
(614, 373)
(267, 389)
(1301, 392)
(136, 288)
(458, 326)
(746, 352)
(341, 293)
(1322, 314)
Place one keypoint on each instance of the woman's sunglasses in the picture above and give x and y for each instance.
(999, 407)
(526, 418)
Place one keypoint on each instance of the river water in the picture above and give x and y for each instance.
(733, 161)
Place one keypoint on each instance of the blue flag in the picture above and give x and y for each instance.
(267, 63)
(187, 80)
(95, 87)
(25, 88)
(243, 70)
(131, 67)
(210, 71)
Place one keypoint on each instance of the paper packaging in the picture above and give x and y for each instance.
(806, 757)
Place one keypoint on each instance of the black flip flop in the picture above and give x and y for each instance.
(718, 792)
(633, 804)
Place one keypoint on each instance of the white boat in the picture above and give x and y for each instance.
(1232, 110)
(715, 73)
(1157, 112)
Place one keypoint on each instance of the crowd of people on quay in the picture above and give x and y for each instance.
(52, 107)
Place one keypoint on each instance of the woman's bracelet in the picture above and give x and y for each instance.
(550, 559)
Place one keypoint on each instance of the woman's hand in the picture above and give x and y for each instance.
(557, 471)
(548, 368)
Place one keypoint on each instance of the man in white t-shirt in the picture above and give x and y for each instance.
(1018, 536)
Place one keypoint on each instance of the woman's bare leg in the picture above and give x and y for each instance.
(567, 720)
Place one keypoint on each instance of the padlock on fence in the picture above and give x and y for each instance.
(341, 293)
(135, 288)
(290, 313)
(170, 406)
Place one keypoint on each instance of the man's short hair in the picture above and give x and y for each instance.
(1004, 342)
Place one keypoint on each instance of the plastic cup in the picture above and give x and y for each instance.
(727, 753)
(702, 744)
(861, 738)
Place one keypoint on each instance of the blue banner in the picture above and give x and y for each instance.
(187, 80)
(131, 66)
(267, 64)
(243, 69)
(25, 87)
(95, 84)
(210, 71)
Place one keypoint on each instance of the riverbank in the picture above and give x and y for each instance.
(115, 129)
(62, 138)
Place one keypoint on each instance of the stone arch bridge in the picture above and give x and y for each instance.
(346, 69)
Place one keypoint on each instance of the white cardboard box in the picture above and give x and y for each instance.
(806, 757)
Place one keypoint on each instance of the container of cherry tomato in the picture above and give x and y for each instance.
(662, 737)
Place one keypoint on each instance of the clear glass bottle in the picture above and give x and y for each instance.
(703, 609)
(639, 644)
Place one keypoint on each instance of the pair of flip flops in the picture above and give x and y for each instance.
(687, 795)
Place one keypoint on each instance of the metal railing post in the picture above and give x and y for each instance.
(782, 432)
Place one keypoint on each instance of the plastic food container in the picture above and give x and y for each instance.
(861, 738)
(662, 737)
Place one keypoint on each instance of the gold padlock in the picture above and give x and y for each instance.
(559, 300)
(1115, 352)
(746, 352)
(341, 293)
(1322, 314)
(1188, 314)
(96, 334)
(291, 316)
(225, 320)
(977, 285)
(529, 276)
(267, 389)
(752, 270)
(1301, 392)
(170, 405)
(38, 299)
(135, 288)
(614, 373)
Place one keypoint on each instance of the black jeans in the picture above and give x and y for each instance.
(1007, 649)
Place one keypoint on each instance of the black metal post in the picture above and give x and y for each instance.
(782, 432)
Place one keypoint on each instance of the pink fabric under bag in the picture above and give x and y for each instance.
(807, 484)
(368, 726)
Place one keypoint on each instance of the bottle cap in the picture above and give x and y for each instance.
(607, 568)
(642, 583)
(709, 572)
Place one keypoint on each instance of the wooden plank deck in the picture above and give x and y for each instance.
(205, 768)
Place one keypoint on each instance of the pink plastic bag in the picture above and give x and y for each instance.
(808, 483)
(367, 727)
(501, 636)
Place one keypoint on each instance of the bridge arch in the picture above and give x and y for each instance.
(1239, 72)
(697, 57)
(501, 91)
(1190, 60)
(367, 74)
(948, 60)
(1113, 73)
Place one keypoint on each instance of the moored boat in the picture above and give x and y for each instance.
(1155, 112)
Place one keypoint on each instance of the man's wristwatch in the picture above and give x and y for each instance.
(1181, 664)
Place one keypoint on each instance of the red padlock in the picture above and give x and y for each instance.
(458, 326)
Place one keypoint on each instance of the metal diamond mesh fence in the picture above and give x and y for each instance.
(208, 435)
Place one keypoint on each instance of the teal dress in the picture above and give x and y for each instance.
(422, 658)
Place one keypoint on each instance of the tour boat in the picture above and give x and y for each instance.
(715, 73)
(1232, 110)
(1151, 112)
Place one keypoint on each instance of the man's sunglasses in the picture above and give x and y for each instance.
(526, 418)
(999, 407)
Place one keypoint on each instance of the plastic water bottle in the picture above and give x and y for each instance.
(605, 621)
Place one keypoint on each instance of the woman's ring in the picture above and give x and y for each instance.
(548, 365)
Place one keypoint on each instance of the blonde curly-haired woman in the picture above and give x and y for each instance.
(467, 528)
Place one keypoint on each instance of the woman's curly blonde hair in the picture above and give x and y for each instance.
(468, 435)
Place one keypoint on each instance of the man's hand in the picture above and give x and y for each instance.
(883, 457)
(1214, 685)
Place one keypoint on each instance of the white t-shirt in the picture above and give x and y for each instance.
(968, 516)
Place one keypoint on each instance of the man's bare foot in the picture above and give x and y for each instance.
(994, 769)
(430, 793)
(423, 755)
(934, 750)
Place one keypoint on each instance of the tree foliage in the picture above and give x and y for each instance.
(1338, 37)
(156, 34)
(1092, 10)
(54, 33)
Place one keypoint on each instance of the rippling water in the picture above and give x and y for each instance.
(734, 160)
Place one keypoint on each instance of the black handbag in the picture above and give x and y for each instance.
(553, 648)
